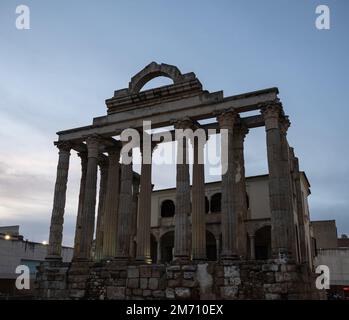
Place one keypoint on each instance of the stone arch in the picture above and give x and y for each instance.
(152, 71)
(167, 208)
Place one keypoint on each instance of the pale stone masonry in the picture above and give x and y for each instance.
(190, 245)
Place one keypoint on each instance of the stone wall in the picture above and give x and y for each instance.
(232, 281)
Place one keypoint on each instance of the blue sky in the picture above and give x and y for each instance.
(57, 75)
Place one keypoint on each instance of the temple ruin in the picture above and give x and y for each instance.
(196, 241)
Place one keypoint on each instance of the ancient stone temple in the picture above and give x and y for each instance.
(239, 238)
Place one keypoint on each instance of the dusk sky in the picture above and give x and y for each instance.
(57, 75)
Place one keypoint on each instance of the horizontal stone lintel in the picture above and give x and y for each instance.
(198, 108)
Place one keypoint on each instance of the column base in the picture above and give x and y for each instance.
(143, 260)
(121, 260)
(53, 258)
(181, 260)
(231, 257)
(198, 260)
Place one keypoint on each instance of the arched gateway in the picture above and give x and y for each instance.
(121, 263)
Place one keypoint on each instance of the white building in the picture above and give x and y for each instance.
(15, 251)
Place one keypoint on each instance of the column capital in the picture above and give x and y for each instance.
(241, 129)
(92, 143)
(63, 146)
(284, 124)
(227, 119)
(271, 110)
(183, 123)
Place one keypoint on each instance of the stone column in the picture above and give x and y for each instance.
(282, 237)
(111, 203)
(88, 213)
(103, 166)
(198, 198)
(303, 219)
(83, 157)
(239, 195)
(252, 246)
(134, 216)
(143, 231)
(124, 211)
(217, 249)
(158, 250)
(57, 218)
(228, 221)
(182, 211)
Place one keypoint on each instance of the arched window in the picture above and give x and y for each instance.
(167, 209)
(216, 202)
(263, 243)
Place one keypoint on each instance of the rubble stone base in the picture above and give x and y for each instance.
(234, 280)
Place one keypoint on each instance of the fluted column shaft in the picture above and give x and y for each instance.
(282, 226)
(228, 220)
(144, 216)
(198, 200)
(239, 194)
(303, 218)
(110, 226)
(89, 207)
(124, 212)
(83, 157)
(143, 232)
(57, 217)
(252, 247)
(134, 216)
(104, 168)
(182, 211)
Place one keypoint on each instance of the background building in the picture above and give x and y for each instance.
(334, 253)
(15, 251)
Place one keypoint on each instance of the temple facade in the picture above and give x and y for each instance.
(239, 238)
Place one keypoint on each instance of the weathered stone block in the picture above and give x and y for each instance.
(77, 294)
(132, 272)
(153, 283)
(116, 293)
(229, 292)
(173, 268)
(270, 267)
(137, 292)
(231, 271)
(272, 296)
(133, 283)
(146, 293)
(170, 293)
(182, 293)
(174, 283)
(189, 268)
(158, 294)
(188, 275)
(189, 283)
(143, 283)
(145, 271)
